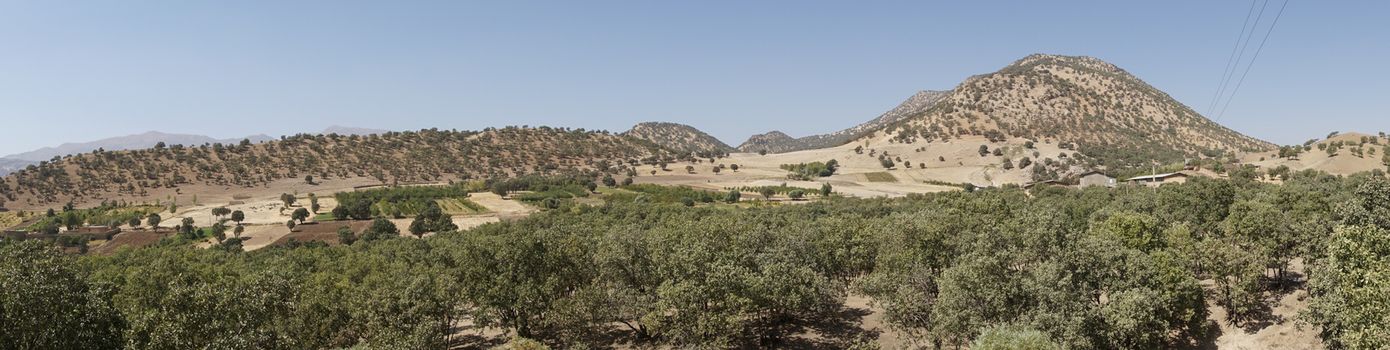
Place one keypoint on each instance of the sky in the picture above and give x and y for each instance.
(84, 70)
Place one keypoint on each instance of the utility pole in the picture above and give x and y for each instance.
(1153, 174)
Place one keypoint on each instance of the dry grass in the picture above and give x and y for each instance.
(10, 219)
(881, 176)
(1344, 163)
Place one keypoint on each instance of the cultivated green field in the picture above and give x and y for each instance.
(460, 206)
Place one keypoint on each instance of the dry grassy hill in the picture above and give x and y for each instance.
(303, 161)
(679, 137)
(1341, 154)
(778, 142)
(1081, 102)
(772, 141)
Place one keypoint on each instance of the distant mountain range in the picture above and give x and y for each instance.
(779, 142)
(10, 165)
(347, 130)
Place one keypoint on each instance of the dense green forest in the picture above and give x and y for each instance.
(1057, 268)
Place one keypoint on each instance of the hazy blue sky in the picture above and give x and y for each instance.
(82, 70)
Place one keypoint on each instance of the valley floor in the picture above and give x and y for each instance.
(947, 165)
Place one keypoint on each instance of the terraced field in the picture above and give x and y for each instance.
(460, 206)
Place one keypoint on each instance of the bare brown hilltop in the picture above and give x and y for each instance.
(1085, 103)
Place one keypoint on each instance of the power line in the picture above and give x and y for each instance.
(1244, 47)
(1230, 60)
(1241, 81)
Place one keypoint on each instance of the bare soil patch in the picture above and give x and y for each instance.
(132, 239)
(1277, 328)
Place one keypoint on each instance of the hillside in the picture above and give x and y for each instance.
(137, 141)
(393, 157)
(772, 141)
(679, 137)
(1340, 154)
(778, 142)
(1083, 103)
(8, 165)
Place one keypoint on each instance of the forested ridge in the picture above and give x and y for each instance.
(428, 155)
(1127, 268)
(681, 138)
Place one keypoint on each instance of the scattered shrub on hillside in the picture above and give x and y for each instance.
(810, 171)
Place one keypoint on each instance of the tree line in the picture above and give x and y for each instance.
(1087, 269)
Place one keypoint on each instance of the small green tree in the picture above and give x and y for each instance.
(733, 196)
(550, 203)
(346, 236)
(796, 194)
(419, 227)
(187, 230)
(71, 220)
(500, 189)
(153, 221)
(1138, 231)
(1013, 338)
(300, 215)
(218, 231)
(380, 229)
(48, 227)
